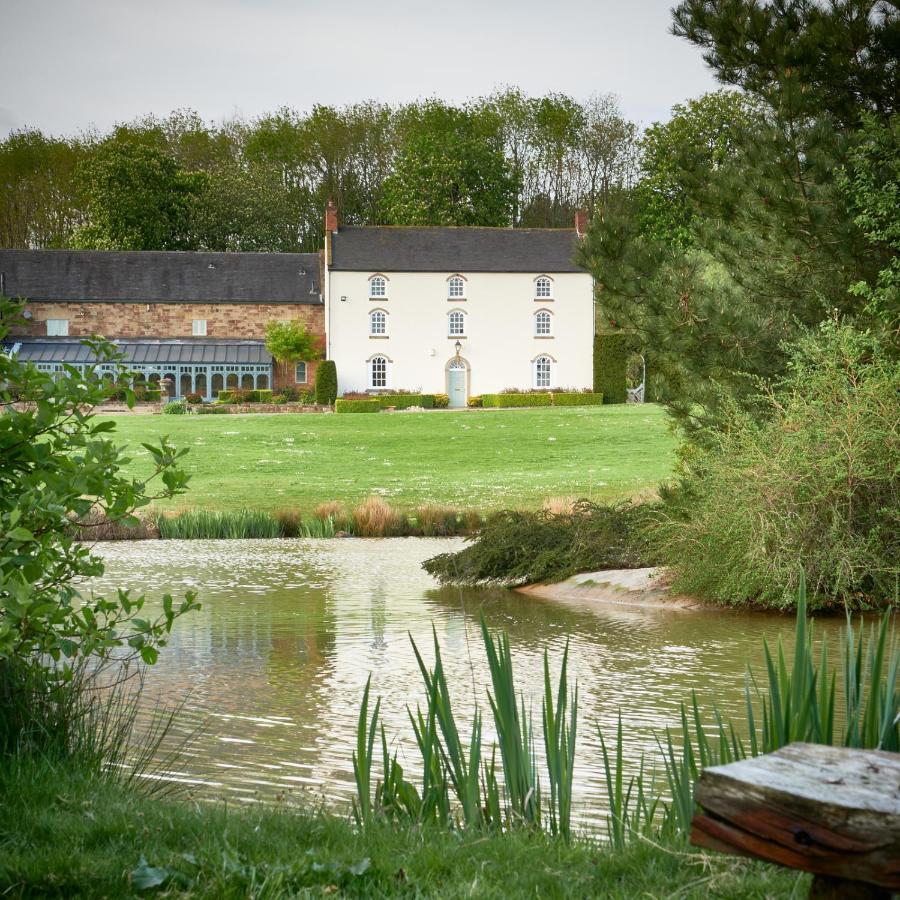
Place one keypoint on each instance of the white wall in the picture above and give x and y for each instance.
(499, 345)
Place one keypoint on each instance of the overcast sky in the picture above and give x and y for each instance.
(72, 64)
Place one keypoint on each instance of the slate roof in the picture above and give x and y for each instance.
(160, 276)
(144, 352)
(401, 249)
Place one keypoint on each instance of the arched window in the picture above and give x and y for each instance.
(456, 287)
(378, 372)
(543, 323)
(300, 373)
(542, 367)
(378, 323)
(543, 287)
(456, 323)
(378, 286)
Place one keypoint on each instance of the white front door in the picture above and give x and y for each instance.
(456, 385)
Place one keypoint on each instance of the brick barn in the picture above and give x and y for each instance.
(197, 319)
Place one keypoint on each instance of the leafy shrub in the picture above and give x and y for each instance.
(813, 486)
(474, 402)
(287, 394)
(577, 399)
(147, 395)
(357, 406)
(175, 408)
(211, 409)
(610, 363)
(516, 400)
(525, 547)
(326, 383)
(194, 399)
(441, 401)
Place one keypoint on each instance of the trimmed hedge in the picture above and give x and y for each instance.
(610, 358)
(326, 383)
(509, 400)
(404, 401)
(573, 398)
(262, 395)
(357, 406)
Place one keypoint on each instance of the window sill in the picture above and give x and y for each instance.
(544, 337)
(456, 337)
(378, 337)
(457, 299)
(378, 298)
(543, 299)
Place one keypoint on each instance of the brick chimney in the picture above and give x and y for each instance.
(331, 217)
(581, 222)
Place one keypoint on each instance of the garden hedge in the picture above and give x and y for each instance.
(357, 406)
(248, 395)
(404, 401)
(576, 398)
(326, 383)
(508, 400)
(610, 358)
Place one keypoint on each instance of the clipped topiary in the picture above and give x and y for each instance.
(326, 383)
(610, 359)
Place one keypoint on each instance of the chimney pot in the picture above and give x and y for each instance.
(581, 222)
(331, 217)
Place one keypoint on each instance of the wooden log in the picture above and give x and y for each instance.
(827, 810)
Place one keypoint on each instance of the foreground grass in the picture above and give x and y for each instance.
(480, 460)
(65, 835)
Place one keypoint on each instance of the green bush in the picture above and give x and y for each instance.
(474, 402)
(326, 383)
(441, 401)
(147, 395)
(226, 396)
(573, 398)
(610, 363)
(812, 486)
(525, 547)
(263, 395)
(357, 406)
(508, 400)
(175, 408)
(405, 401)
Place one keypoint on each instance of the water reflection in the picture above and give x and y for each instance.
(275, 663)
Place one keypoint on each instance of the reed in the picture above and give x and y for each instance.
(375, 517)
(205, 524)
(95, 526)
(434, 520)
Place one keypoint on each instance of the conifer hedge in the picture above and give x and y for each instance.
(326, 383)
(610, 358)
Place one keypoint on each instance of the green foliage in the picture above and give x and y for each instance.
(475, 401)
(576, 398)
(525, 547)
(610, 362)
(449, 170)
(810, 483)
(289, 342)
(357, 406)
(137, 199)
(175, 408)
(542, 398)
(326, 383)
(60, 466)
(871, 184)
(441, 401)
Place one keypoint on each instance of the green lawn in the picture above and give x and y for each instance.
(480, 459)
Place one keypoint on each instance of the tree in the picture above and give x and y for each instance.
(450, 170)
(290, 342)
(137, 199)
(62, 469)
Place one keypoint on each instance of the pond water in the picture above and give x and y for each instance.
(274, 665)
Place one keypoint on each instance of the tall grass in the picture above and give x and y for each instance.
(461, 786)
(481, 798)
(206, 524)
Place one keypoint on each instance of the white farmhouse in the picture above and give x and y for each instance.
(461, 311)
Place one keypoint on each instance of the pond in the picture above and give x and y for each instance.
(274, 665)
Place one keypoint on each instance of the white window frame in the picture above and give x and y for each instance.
(373, 315)
(537, 376)
(450, 319)
(370, 366)
(378, 287)
(57, 327)
(305, 379)
(538, 318)
(543, 287)
(456, 288)
(198, 328)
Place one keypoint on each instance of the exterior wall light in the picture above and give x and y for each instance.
(458, 346)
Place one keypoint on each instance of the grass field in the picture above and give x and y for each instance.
(479, 460)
